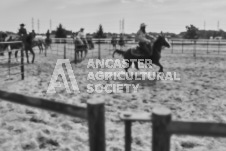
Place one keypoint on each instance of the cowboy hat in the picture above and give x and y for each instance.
(22, 24)
(143, 25)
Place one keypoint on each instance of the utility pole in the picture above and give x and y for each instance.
(123, 26)
(32, 23)
(50, 26)
(38, 23)
(120, 26)
(204, 25)
(218, 25)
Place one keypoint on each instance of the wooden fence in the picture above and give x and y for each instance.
(65, 48)
(66, 41)
(198, 46)
(182, 46)
(94, 113)
(163, 127)
(9, 67)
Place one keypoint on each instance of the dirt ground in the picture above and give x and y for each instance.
(199, 95)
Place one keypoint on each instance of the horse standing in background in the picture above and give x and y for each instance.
(27, 46)
(80, 47)
(114, 42)
(90, 43)
(121, 42)
(38, 43)
(47, 43)
(2, 39)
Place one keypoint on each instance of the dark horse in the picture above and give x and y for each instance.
(114, 42)
(80, 48)
(27, 46)
(90, 43)
(39, 43)
(47, 43)
(160, 42)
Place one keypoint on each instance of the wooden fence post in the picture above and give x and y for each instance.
(99, 49)
(161, 118)
(64, 51)
(182, 43)
(57, 47)
(194, 51)
(172, 47)
(219, 46)
(9, 62)
(75, 53)
(96, 124)
(22, 61)
(128, 135)
(207, 46)
(45, 50)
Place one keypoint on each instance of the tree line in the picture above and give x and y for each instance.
(61, 32)
(193, 32)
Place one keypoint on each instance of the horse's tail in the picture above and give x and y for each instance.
(120, 52)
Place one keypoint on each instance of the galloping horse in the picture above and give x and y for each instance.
(160, 42)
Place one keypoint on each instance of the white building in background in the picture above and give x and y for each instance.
(218, 38)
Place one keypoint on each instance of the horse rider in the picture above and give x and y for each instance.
(22, 33)
(33, 34)
(47, 34)
(114, 41)
(142, 38)
(82, 37)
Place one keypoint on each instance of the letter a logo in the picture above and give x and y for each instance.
(60, 71)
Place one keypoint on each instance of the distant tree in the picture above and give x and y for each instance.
(61, 32)
(192, 32)
(100, 33)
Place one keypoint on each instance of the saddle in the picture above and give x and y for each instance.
(137, 51)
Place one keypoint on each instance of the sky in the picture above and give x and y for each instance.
(159, 15)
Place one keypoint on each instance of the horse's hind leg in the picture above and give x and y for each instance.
(16, 54)
(9, 59)
(85, 54)
(128, 66)
(136, 65)
(33, 55)
(27, 56)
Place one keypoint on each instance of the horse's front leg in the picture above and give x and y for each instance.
(27, 56)
(33, 55)
(9, 59)
(40, 50)
(16, 55)
(160, 66)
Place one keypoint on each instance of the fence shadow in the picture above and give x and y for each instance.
(138, 80)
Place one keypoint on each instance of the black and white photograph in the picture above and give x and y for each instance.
(112, 75)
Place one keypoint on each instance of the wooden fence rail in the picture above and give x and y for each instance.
(163, 127)
(200, 46)
(94, 113)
